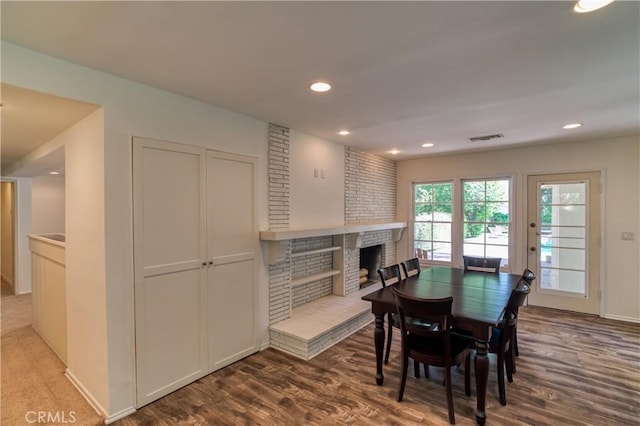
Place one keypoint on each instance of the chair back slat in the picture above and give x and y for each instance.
(528, 275)
(424, 317)
(517, 298)
(411, 267)
(482, 264)
(389, 274)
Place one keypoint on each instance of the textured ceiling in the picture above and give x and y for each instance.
(404, 73)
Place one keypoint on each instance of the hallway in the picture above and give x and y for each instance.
(33, 382)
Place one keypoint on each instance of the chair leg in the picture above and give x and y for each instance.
(447, 380)
(500, 368)
(467, 375)
(510, 364)
(426, 370)
(403, 379)
(389, 336)
(513, 351)
(416, 369)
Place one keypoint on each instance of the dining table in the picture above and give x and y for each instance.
(479, 299)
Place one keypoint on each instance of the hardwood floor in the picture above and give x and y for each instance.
(573, 369)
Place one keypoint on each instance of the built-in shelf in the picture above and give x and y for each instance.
(317, 251)
(315, 277)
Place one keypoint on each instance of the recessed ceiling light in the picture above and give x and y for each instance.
(427, 145)
(584, 6)
(54, 173)
(320, 86)
(572, 126)
(394, 151)
(343, 132)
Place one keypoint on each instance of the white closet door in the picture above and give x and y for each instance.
(170, 279)
(232, 247)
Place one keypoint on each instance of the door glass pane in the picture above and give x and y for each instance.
(562, 237)
(562, 280)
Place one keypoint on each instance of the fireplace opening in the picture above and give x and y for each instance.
(370, 262)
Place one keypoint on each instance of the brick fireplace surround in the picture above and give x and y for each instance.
(314, 295)
(324, 291)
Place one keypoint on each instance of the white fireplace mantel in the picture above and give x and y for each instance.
(292, 234)
(279, 238)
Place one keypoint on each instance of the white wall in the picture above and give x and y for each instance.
(47, 203)
(87, 314)
(129, 109)
(7, 246)
(315, 200)
(23, 226)
(617, 158)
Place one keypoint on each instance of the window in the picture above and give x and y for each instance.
(486, 218)
(433, 219)
(477, 224)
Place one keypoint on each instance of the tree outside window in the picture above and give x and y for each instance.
(433, 221)
(486, 218)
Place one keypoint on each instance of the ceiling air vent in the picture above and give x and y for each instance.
(486, 138)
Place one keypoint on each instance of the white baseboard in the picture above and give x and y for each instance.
(95, 404)
(621, 318)
(86, 394)
(119, 415)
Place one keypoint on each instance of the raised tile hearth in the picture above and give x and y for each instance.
(318, 325)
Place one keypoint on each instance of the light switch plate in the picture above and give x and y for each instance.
(629, 236)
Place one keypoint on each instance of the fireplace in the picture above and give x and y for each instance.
(370, 262)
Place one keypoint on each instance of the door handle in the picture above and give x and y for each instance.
(532, 249)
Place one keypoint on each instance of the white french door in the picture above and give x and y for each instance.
(564, 241)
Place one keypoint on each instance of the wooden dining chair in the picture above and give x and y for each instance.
(528, 276)
(502, 341)
(482, 264)
(425, 327)
(389, 275)
(411, 267)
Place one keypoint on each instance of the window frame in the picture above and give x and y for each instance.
(413, 220)
(457, 224)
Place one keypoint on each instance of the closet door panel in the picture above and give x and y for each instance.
(232, 243)
(232, 316)
(167, 334)
(169, 203)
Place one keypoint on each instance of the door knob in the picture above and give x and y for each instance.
(532, 249)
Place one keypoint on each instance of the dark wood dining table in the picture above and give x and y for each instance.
(479, 299)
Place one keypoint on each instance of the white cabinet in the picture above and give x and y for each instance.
(195, 243)
(49, 292)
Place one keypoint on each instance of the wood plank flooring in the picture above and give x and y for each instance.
(573, 369)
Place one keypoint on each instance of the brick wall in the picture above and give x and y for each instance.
(278, 177)
(280, 273)
(311, 264)
(370, 187)
(352, 257)
(370, 196)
